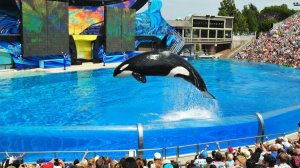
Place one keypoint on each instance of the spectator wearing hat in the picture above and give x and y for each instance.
(167, 164)
(230, 150)
(157, 163)
(246, 153)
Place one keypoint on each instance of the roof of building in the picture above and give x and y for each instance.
(180, 23)
(211, 16)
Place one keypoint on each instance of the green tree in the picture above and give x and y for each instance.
(228, 8)
(276, 12)
(273, 14)
(267, 24)
(251, 15)
(241, 23)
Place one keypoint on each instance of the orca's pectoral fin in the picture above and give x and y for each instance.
(139, 77)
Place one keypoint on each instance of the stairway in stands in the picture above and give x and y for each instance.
(179, 42)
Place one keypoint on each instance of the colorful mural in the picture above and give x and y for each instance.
(82, 17)
(9, 24)
(151, 21)
(14, 50)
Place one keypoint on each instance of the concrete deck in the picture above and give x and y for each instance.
(11, 73)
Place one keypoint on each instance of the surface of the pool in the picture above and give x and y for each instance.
(92, 110)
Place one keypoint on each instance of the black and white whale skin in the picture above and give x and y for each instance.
(155, 63)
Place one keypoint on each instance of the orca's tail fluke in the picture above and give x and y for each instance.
(206, 94)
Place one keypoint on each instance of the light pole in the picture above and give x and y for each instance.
(296, 4)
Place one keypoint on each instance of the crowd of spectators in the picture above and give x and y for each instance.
(283, 153)
(278, 46)
(93, 162)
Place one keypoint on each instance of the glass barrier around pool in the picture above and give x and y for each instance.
(172, 139)
(173, 152)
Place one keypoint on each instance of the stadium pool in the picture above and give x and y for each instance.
(92, 110)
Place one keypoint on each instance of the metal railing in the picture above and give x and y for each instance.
(207, 40)
(163, 151)
(178, 44)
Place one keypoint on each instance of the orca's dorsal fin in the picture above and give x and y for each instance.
(163, 42)
(139, 77)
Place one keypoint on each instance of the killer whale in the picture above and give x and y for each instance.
(165, 63)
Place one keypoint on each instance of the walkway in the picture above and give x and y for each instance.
(11, 73)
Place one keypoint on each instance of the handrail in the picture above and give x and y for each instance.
(90, 151)
(152, 149)
(229, 140)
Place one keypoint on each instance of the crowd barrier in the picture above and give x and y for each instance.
(173, 152)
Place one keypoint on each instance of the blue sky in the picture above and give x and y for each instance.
(173, 9)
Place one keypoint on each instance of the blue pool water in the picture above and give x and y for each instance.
(92, 110)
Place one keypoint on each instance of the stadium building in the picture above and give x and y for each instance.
(209, 34)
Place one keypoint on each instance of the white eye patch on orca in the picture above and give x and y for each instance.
(179, 70)
(124, 74)
(124, 66)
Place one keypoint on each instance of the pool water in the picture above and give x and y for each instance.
(92, 110)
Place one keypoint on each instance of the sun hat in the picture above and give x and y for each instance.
(246, 153)
(157, 155)
(230, 149)
(168, 165)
